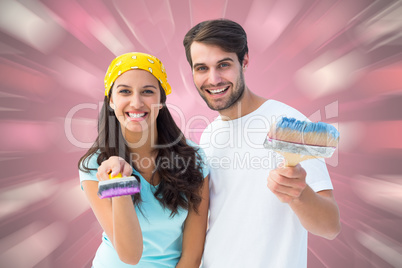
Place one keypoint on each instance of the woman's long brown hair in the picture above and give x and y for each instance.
(179, 185)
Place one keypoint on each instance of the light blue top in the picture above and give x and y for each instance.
(162, 234)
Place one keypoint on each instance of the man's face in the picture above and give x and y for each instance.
(217, 75)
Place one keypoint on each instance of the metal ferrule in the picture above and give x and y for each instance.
(301, 149)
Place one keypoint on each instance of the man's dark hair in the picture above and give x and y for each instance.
(226, 34)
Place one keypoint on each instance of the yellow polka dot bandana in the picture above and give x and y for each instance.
(132, 61)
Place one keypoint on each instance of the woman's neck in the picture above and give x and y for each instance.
(142, 143)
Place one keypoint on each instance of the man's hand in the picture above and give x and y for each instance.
(317, 212)
(114, 165)
(287, 183)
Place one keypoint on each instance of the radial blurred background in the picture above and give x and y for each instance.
(335, 61)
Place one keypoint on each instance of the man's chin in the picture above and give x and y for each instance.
(217, 107)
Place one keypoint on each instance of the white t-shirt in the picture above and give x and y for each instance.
(248, 225)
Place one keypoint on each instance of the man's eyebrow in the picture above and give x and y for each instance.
(226, 59)
(220, 61)
(198, 64)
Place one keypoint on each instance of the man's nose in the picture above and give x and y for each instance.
(214, 77)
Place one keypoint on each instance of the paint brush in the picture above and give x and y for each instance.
(298, 140)
(118, 186)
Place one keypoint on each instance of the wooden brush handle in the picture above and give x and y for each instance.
(292, 160)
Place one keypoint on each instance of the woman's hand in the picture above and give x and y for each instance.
(117, 216)
(113, 166)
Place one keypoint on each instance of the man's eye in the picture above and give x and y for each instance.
(202, 68)
(222, 65)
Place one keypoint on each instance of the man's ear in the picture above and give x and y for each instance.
(245, 61)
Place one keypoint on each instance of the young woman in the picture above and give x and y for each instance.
(164, 225)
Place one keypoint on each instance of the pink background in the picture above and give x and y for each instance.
(335, 61)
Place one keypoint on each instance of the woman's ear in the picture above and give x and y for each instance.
(111, 104)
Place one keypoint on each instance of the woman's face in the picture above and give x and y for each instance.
(135, 100)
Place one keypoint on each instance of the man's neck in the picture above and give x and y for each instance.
(248, 103)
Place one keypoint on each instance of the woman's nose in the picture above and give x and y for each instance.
(136, 101)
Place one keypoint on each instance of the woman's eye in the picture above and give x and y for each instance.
(148, 91)
(124, 91)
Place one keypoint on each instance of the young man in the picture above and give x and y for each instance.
(250, 225)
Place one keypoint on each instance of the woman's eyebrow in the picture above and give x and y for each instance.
(150, 86)
(122, 85)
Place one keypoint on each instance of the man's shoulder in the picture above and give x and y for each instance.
(210, 128)
(276, 105)
(213, 124)
(275, 108)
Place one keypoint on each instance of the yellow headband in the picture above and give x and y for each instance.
(132, 61)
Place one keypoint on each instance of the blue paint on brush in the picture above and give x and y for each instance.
(304, 127)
